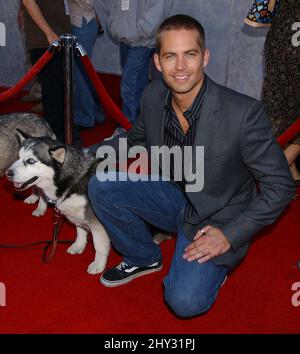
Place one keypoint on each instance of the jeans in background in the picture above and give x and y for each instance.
(52, 83)
(87, 107)
(135, 68)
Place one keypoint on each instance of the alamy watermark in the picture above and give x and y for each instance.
(296, 296)
(296, 36)
(2, 295)
(179, 164)
(2, 35)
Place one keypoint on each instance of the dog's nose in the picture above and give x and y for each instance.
(9, 173)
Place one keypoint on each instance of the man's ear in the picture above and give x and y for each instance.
(206, 57)
(157, 62)
(21, 136)
(58, 153)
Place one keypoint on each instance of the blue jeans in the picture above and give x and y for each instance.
(87, 107)
(135, 68)
(126, 208)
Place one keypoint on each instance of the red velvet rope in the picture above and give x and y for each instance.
(289, 134)
(106, 100)
(36, 68)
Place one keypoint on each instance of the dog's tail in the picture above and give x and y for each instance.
(49, 130)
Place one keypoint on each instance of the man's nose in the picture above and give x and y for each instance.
(180, 63)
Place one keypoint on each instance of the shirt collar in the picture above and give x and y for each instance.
(194, 109)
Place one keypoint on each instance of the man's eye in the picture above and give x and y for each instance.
(170, 56)
(30, 161)
(190, 54)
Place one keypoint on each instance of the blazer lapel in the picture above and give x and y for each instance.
(158, 118)
(157, 126)
(209, 121)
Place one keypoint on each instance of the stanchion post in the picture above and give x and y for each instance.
(68, 43)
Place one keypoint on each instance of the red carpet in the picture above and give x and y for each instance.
(60, 297)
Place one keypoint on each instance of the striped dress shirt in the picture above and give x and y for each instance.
(175, 136)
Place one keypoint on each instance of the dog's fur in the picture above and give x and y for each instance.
(63, 172)
(10, 144)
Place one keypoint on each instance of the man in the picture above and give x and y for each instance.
(215, 225)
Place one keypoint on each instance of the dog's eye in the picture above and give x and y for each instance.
(30, 161)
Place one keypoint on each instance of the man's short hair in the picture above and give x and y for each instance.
(178, 22)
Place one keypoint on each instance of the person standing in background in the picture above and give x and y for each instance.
(281, 85)
(133, 23)
(44, 22)
(35, 92)
(85, 24)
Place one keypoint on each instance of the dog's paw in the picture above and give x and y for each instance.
(76, 248)
(33, 198)
(95, 268)
(39, 212)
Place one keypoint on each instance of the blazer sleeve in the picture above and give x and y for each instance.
(267, 163)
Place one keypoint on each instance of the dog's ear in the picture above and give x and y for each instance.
(58, 153)
(21, 136)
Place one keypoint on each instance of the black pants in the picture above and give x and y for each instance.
(52, 82)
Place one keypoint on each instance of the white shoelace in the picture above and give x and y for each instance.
(124, 267)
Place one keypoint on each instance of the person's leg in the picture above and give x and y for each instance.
(124, 49)
(52, 91)
(190, 287)
(87, 107)
(125, 208)
(134, 78)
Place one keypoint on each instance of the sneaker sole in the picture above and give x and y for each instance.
(111, 284)
(224, 281)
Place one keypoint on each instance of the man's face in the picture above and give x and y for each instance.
(181, 61)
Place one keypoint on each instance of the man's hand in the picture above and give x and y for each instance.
(208, 243)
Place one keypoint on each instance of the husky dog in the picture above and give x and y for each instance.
(63, 172)
(10, 144)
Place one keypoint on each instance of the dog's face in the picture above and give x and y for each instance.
(38, 158)
(28, 170)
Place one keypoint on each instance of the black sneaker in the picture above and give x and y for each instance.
(124, 273)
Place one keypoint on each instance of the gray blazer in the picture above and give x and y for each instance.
(239, 150)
